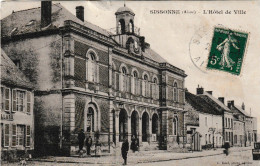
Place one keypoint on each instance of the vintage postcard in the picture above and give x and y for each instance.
(130, 82)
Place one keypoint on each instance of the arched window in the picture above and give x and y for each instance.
(155, 89)
(146, 86)
(92, 67)
(135, 75)
(121, 26)
(131, 27)
(90, 120)
(124, 76)
(175, 126)
(175, 92)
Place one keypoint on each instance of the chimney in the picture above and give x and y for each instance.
(210, 92)
(243, 106)
(45, 13)
(230, 103)
(222, 99)
(80, 13)
(200, 90)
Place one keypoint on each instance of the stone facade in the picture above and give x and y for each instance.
(86, 79)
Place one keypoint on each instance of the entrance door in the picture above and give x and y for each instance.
(145, 126)
(122, 124)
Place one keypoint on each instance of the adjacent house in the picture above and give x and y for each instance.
(227, 114)
(209, 120)
(112, 85)
(17, 116)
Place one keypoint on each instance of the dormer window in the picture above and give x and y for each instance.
(30, 23)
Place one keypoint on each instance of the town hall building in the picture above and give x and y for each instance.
(112, 85)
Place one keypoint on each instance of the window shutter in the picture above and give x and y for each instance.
(143, 88)
(7, 99)
(6, 135)
(132, 85)
(28, 101)
(14, 101)
(14, 135)
(121, 82)
(2, 98)
(28, 136)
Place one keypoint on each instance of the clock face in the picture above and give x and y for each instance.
(199, 47)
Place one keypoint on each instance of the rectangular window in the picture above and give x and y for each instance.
(20, 135)
(7, 99)
(2, 98)
(6, 135)
(225, 122)
(28, 101)
(14, 101)
(206, 139)
(206, 121)
(2, 135)
(14, 133)
(20, 104)
(28, 136)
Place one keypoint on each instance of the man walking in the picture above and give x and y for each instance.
(81, 139)
(124, 150)
(88, 144)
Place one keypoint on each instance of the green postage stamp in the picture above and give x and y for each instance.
(227, 50)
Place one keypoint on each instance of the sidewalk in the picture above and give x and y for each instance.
(138, 157)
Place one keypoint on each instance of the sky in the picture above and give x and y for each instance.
(171, 36)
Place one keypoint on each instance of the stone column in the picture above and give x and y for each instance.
(117, 127)
(140, 131)
(68, 123)
(165, 134)
(129, 128)
(150, 130)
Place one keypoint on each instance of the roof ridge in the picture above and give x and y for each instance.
(56, 4)
(26, 9)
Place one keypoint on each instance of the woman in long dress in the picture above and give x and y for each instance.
(226, 60)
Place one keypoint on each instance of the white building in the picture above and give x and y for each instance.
(209, 123)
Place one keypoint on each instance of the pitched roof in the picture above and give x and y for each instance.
(241, 111)
(29, 21)
(11, 75)
(151, 54)
(200, 104)
(215, 100)
(26, 21)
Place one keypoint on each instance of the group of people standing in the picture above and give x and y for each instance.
(81, 139)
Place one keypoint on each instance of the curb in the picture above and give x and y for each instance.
(138, 162)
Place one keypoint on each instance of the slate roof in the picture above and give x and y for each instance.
(29, 21)
(241, 111)
(151, 54)
(21, 20)
(11, 75)
(199, 104)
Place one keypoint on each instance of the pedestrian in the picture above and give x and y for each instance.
(88, 144)
(81, 139)
(124, 150)
(133, 143)
(226, 146)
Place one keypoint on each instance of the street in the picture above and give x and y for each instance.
(236, 158)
